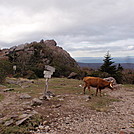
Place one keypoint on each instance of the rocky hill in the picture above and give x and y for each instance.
(31, 58)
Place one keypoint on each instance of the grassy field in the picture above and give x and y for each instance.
(61, 86)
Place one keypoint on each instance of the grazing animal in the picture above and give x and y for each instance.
(98, 83)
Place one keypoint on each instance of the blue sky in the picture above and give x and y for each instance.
(85, 28)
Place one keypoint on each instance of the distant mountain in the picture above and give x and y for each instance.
(128, 59)
(97, 65)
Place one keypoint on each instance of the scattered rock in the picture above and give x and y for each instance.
(127, 131)
(22, 118)
(36, 102)
(56, 106)
(25, 96)
(1, 115)
(50, 94)
(47, 96)
(45, 122)
(24, 83)
(8, 89)
(8, 123)
(47, 128)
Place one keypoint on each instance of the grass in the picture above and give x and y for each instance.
(129, 85)
(56, 85)
(101, 104)
(1, 97)
(30, 124)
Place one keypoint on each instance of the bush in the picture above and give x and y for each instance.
(100, 74)
(5, 70)
(128, 76)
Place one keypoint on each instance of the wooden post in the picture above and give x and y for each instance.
(46, 86)
(47, 75)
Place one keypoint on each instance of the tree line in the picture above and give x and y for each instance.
(108, 69)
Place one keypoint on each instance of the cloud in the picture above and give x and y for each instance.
(78, 26)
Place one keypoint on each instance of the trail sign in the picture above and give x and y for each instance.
(48, 72)
(49, 68)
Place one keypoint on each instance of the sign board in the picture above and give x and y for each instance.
(50, 68)
(47, 74)
(48, 71)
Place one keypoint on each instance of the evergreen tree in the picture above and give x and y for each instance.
(111, 69)
(107, 65)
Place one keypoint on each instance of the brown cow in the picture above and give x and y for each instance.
(98, 83)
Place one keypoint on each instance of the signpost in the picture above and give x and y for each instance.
(48, 72)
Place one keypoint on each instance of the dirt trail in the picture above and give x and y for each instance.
(85, 121)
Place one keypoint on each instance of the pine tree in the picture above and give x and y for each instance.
(111, 69)
(107, 65)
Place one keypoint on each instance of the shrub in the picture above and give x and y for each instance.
(5, 69)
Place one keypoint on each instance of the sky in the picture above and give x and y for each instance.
(84, 28)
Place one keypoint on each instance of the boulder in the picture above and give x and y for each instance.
(72, 75)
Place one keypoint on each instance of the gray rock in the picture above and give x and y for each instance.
(73, 75)
(8, 89)
(8, 123)
(36, 102)
(127, 131)
(25, 96)
(23, 118)
(1, 115)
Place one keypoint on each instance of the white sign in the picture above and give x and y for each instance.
(50, 68)
(47, 74)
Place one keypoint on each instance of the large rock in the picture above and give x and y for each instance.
(72, 75)
(44, 53)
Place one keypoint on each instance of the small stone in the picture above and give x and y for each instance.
(8, 89)
(45, 122)
(8, 123)
(41, 127)
(1, 115)
(47, 128)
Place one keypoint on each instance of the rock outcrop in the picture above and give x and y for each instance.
(31, 58)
